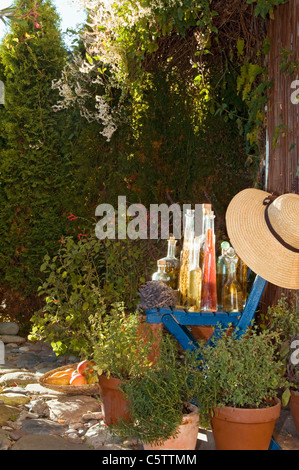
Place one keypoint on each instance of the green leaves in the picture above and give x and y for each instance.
(242, 372)
(265, 7)
(120, 348)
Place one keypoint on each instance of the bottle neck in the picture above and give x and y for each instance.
(171, 249)
(232, 270)
(189, 226)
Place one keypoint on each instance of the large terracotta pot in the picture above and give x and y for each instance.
(294, 407)
(156, 330)
(187, 435)
(114, 404)
(244, 429)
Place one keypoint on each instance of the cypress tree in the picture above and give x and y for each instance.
(34, 181)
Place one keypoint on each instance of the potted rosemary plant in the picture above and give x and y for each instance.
(160, 401)
(120, 352)
(239, 396)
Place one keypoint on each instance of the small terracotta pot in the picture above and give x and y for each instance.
(187, 435)
(202, 332)
(294, 407)
(244, 428)
(114, 404)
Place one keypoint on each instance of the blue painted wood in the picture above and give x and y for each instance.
(180, 332)
(273, 445)
(176, 320)
(251, 305)
(239, 320)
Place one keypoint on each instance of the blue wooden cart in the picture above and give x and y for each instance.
(176, 321)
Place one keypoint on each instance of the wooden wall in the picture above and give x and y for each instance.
(282, 114)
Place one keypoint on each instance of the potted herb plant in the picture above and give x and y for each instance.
(160, 401)
(284, 319)
(238, 397)
(119, 353)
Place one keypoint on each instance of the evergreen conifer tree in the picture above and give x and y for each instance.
(34, 181)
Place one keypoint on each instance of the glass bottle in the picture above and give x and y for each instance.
(209, 288)
(232, 292)
(172, 264)
(242, 269)
(221, 273)
(186, 258)
(205, 211)
(161, 274)
(195, 278)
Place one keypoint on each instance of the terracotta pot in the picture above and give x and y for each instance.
(114, 405)
(202, 332)
(244, 429)
(156, 329)
(294, 407)
(187, 436)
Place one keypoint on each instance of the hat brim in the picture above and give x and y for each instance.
(254, 243)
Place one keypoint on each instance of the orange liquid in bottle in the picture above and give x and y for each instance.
(209, 286)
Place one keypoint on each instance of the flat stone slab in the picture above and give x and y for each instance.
(38, 389)
(5, 442)
(8, 413)
(12, 339)
(72, 408)
(9, 328)
(22, 377)
(38, 442)
(43, 426)
(8, 370)
(14, 398)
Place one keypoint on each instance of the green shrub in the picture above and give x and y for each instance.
(83, 280)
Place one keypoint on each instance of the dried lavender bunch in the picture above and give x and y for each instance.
(156, 294)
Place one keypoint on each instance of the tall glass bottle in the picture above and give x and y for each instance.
(172, 264)
(232, 292)
(206, 208)
(242, 269)
(221, 272)
(186, 256)
(209, 287)
(195, 278)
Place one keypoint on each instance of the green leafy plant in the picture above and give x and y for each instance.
(120, 349)
(72, 292)
(283, 318)
(241, 373)
(82, 280)
(160, 395)
(265, 7)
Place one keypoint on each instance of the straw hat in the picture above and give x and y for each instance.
(264, 231)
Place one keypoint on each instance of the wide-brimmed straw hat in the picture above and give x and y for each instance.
(264, 231)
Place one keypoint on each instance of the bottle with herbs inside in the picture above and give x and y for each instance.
(195, 278)
(186, 257)
(161, 274)
(209, 287)
(232, 292)
(172, 264)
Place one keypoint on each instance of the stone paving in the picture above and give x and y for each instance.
(29, 412)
